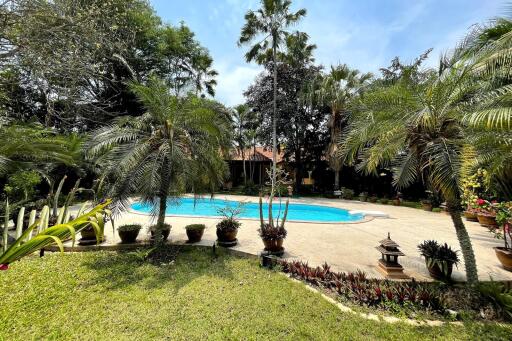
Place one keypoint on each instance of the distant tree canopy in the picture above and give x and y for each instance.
(65, 63)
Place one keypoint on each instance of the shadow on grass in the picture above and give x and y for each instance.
(118, 271)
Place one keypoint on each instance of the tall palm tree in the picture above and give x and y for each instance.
(240, 120)
(336, 90)
(174, 147)
(416, 129)
(269, 23)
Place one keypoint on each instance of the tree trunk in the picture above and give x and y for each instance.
(465, 243)
(336, 179)
(298, 170)
(274, 124)
(161, 220)
(243, 163)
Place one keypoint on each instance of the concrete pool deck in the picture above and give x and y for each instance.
(346, 246)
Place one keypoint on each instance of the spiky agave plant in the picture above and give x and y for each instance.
(56, 234)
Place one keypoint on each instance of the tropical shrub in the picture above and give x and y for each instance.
(499, 295)
(129, 227)
(195, 227)
(347, 193)
(268, 232)
(27, 244)
(22, 185)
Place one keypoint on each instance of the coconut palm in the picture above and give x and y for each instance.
(336, 90)
(415, 128)
(175, 146)
(269, 23)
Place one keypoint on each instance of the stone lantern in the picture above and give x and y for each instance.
(388, 264)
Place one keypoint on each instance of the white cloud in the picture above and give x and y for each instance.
(232, 81)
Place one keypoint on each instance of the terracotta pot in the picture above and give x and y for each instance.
(227, 235)
(505, 257)
(426, 206)
(273, 245)
(89, 234)
(128, 237)
(165, 234)
(436, 273)
(470, 216)
(487, 221)
(195, 235)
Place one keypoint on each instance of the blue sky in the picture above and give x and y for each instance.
(364, 34)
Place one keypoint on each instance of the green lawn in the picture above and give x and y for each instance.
(111, 296)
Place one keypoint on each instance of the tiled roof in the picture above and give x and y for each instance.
(261, 154)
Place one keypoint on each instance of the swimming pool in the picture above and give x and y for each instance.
(206, 207)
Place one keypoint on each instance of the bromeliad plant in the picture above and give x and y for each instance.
(57, 234)
(439, 258)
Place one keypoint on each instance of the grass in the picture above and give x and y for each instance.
(113, 296)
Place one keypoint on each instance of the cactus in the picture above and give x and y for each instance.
(57, 194)
(19, 223)
(43, 220)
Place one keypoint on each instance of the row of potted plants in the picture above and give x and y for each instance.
(129, 233)
(497, 217)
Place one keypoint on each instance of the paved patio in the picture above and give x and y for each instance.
(348, 247)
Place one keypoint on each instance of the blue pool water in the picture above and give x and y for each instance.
(296, 212)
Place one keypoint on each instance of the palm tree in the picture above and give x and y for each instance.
(27, 146)
(174, 147)
(336, 90)
(416, 129)
(270, 23)
(240, 120)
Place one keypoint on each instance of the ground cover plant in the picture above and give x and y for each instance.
(190, 294)
(434, 300)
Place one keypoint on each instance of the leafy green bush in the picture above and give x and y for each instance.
(21, 185)
(499, 295)
(437, 209)
(347, 193)
(129, 227)
(411, 204)
(250, 188)
(193, 227)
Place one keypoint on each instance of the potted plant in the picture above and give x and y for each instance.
(384, 201)
(363, 196)
(504, 219)
(439, 259)
(227, 228)
(471, 214)
(373, 199)
(128, 233)
(486, 214)
(397, 199)
(195, 232)
(426, 204)
(347, 193)
(273, 233)
(166, 231)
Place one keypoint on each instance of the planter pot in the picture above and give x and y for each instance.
(89, 237)
(505, 257)
(227, 235)
(396, 202)
(470, 216)
(487, 221)
(128, 237)
(165, 234)
(273, 245)
(373, 200)
(195, 236)
(362, 199)
(436, 273)
(426, 207)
